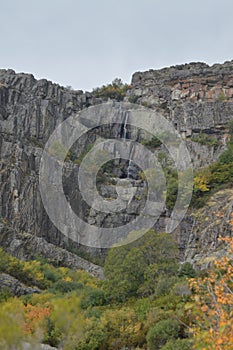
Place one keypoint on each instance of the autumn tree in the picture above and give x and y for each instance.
(213, 299)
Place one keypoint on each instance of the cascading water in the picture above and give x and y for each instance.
(129, 168)
(130, 165)
(124, 136)
(125, 128)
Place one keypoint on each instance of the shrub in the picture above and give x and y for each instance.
(50, 276)
(161, 332)
(227, 156)
(11, 324)
(133, 98)
(5, 294)
(66, 286)
(205, 140)
(94, 297)
(116, 90)
(187, 270)
(178, 344)
(154, 142)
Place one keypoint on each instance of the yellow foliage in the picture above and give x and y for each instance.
(11, 324)
(66, 279)
(201, 183)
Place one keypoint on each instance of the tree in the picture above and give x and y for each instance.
(134, 269)
(213, 304)
(35, 317)
(124, 269)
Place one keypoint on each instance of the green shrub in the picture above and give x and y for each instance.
(94, 297)
(187, 270)
(164, 284)
(205, 139)
(178, 344)
(50, 276)
(66, 286)
(133, 98)
(116, 90)
(221, 97)
(172, 189)
(152, 143)
(5, 294)
(227, 156)
(14, 267)
(162, 332)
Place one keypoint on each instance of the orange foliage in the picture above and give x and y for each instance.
(35, 316)
(213, 299)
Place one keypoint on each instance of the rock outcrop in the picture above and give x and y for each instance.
(14, 286)
(194, 97)
(25, 246)
(209, 224)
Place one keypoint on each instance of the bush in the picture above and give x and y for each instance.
(5, 294)
(133, 98)
(116, 90)
(94, 297)
(50, 276)
(14, 267)
(153, 143)
(66, 286)
(178, 344)
(163, 331)
(227, 156)
(164, 284)
(172, 190)
(187, 270)
(205, 139)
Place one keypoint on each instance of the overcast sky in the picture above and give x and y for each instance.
(86, 44)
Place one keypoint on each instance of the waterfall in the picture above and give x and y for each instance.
(124, 135)
(124, 127)
(129, 167)
(130, 162)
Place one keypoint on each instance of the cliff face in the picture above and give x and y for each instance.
(29, 112)
(197, 99)
(194, 97)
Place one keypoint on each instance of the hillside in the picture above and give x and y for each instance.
(112, 298)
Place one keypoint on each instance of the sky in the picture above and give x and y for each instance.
(85, 44)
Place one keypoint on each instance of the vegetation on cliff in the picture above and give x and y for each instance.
(116, 90)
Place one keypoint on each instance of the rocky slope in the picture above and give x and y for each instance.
(194, 97)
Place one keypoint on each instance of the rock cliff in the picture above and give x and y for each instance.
(194, 97)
